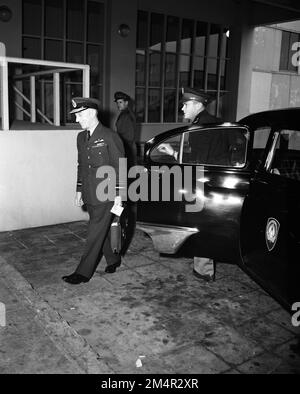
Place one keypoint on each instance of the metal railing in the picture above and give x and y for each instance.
(56, 69)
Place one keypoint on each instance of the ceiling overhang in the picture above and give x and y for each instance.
(274, 11)
(292, 5)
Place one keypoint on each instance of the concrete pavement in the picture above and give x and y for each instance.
(152, 307)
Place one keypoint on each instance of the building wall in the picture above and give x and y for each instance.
(121, 57)
(216, 11)
(244, 73)
(38, 178)
(272, 88)
(11, 32)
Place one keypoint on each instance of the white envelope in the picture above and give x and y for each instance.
(117, 210)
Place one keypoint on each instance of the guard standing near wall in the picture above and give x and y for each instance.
(97, 146)
(126, 126)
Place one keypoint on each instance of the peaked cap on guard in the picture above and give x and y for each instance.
(197, 95)
(81, 103)
(121, 96)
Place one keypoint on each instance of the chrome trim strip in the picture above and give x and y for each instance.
(168, 226)
(166, 238)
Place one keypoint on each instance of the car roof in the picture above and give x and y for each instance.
(187, 128)
(282, 118)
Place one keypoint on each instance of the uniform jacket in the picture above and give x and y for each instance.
(103, 148)
(126, 125)
(208, 147)
(204, 117)
(216, 148)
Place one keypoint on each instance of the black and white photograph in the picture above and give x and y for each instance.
(149, 190)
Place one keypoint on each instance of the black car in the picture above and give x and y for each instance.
(237, 200)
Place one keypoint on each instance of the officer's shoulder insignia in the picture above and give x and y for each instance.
(271, 234)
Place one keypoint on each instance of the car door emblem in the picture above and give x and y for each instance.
(272, 231)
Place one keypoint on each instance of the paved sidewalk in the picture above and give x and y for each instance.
(35, 339)
(24, 344)
(152, 307)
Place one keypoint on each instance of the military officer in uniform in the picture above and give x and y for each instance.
(97, 146)
(194, 109)
(126, 125)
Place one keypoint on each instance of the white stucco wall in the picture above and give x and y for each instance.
(38, 178)
(266, 48)
(272, 88)
(260, 91)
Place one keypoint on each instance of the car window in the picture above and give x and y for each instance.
(218, 147)
(167, 151)
(286, 157)
(260, 139)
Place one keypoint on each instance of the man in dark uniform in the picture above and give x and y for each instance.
(125, 126)
(205, 147)
(194, 109)
(97, 146)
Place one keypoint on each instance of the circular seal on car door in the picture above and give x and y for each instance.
(272, 230)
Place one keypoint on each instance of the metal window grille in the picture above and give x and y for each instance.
(42, 41)
(158, 59)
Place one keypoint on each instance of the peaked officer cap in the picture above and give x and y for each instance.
(121, 96)
(197, 95)
(81, 103)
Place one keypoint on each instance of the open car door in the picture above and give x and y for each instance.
(270, 222)
(203, 180)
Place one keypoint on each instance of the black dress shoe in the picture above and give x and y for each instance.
(206, 278)
(110, 269)
(75, 279)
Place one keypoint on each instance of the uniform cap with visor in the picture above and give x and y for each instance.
(121, 96)
(82, 103)
(189, 94)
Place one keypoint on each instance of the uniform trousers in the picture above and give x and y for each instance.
(204, 266)
(98, 240)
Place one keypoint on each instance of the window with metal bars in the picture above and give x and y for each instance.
(173, 52)
(67, 31)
